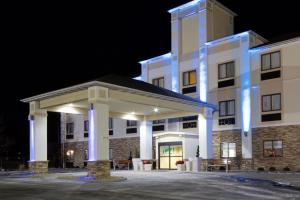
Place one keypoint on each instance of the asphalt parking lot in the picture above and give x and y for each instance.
(151, 185)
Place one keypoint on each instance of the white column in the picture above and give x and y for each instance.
(144, 71)
(38, 132)
(205, 134)
(146, 140)
(98, 124)
(175, 46)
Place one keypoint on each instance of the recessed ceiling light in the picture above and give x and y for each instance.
(155, 109)
(132, 113)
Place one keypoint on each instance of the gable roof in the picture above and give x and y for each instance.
(113, 81)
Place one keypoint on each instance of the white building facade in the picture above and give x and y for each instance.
(255, 85)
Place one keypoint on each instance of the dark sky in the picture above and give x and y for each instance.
(49, 46)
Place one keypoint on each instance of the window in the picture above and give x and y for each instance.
(189, 78)
(111, 126)
(270, 61)
(159, 82)
(70, 128)
(273, 148)
(131, 126)
(159, 125)
(86, 128)
(228, 150)
(226, 108)
(271, 102)
(189, 122)
(226, 70)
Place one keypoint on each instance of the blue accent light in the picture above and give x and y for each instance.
(246, 106)
(161, 57)
(231, 37)
(92, 141)
(184, 6)
(32, 140)
(139, 78)
(203, 76)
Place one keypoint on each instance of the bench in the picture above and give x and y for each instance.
(121, 164)
(218, 163)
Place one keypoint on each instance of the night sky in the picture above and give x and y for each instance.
(50, 46)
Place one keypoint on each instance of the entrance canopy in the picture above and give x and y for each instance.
(127, 99)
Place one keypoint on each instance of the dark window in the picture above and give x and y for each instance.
(159, 82)
(86, 135)
(111, 132)
(111, 124)
(131, 126)
(271, 117)
(188, 90)
(86, 126)
(226, 83)
(273, 148)
(226, 70)
(270, 61)
(70, 128)
(159, 125)
(270, 75)
(189, 122)
(70, 136)
(228, 150)
(189, 78)
(227, 121)
(227, 108)
(271, 102)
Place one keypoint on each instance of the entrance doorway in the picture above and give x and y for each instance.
(169, 153)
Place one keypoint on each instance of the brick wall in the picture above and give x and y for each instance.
(290, 135)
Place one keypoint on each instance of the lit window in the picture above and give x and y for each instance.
(189, 78)
(271, 102)
(228, 150)
(70, 155)
(270, 61)
(273, 148)
(159, 82)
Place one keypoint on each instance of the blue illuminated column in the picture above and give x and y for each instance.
(205, 134)
(245, 96)
(175, 46)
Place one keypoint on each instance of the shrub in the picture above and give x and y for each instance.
(286, 169)
(272, 169)
(178, 162)
(260, 169)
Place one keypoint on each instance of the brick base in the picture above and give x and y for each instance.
(99, 169)
(38, 167)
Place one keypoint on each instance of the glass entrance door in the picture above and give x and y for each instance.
(169, 153)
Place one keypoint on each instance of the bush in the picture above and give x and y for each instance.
(272, 169)
(286, 169)
(260, 169)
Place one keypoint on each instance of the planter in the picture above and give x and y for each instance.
(188, 166)
(180, 167)
(136, 164)
(147, 167)
(196, 164)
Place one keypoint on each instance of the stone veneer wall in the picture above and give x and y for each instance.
(120, 149)
(233, 136)
(290, 136)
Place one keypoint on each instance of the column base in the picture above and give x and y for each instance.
(99, 169)
(38, 167)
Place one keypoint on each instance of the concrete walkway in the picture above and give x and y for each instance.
(149, 185)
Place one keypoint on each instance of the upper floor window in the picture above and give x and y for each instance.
(271, 102)
(86, 128)
(189, 122)
(228, 150)
(270, 61)
(158, 125)
(159, 82)
(273, 148)
(70, 128)
(226, 108)
(226, 70)
(189, 78)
